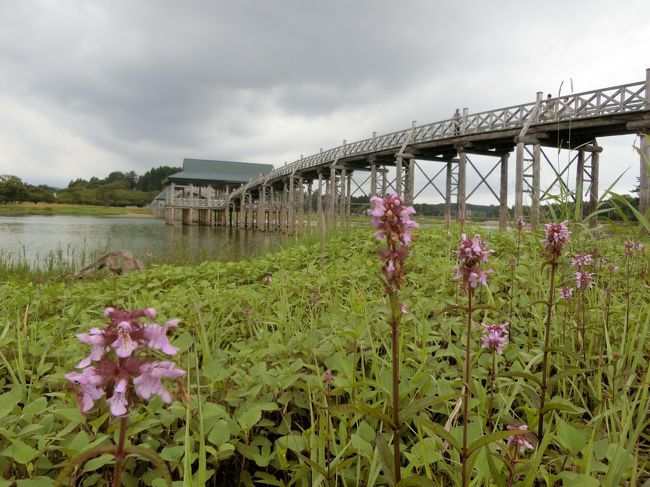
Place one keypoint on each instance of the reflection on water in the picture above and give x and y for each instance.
(81, 238)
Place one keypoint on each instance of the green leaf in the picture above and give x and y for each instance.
(564, 374)
(386, 458)
(524, 375)
(441, 432)
(20, 452)
(573, 439)
(72, 415)
(561, 406)
(39, 481)
(490, 438)
(250, 417)
(364, 410)
(98, 462)
(412, 409)
(416, 482)
(8, 401)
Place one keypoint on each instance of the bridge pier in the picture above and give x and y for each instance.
(644, 178)
(519, 180)
(460, 194)
(503, 192)
(534, 188)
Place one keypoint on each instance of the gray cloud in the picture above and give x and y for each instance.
(87, 86)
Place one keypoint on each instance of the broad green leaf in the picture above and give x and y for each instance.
(20, 452)
(250, 417)
(8, 400)
(98, 462)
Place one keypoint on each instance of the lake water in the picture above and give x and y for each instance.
(77, 240)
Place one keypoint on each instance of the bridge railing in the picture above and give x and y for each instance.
(607, 101)
(198, 203)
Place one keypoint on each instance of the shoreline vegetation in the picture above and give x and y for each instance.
(27, 209)
(288, 357)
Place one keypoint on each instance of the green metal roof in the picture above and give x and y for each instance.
(206, 171)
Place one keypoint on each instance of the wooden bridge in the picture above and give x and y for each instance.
(321, 185)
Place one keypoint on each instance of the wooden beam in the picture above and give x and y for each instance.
(503, 193)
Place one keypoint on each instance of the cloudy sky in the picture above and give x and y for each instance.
(90, 87)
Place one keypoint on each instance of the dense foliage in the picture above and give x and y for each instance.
(117, 189)
(288, 368)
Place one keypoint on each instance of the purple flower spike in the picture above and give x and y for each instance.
(119, 352)
(124, 345)
(494, 337)
(156, 336)
(566, 292)
(557, 236)
(89, 387)
(393, 221)
(471, 254)
(519, 441)
(149, 383)
(118, 400)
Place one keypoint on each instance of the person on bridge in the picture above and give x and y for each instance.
(456, 119)
(550, 106)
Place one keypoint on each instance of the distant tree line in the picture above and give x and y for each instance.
(117, 189)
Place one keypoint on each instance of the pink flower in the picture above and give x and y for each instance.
(584, 280)
(519, 223)
(519, 441)
(119, 355)
(557, 236)
(632, 247)
(581, 260)
(117, 401)
(89, 387)
(124, 345)
(494, 337)
(328, 377)
(612, 268)
(471, 254)
(566, 292)
(95, 338)
(392, 219)
(149, 382)
(267, 278)
(156, 336)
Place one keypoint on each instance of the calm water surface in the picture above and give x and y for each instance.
(79, 239)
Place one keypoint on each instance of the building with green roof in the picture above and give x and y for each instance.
(203, 184)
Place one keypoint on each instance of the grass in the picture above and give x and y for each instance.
(256, 354)
(22, 209)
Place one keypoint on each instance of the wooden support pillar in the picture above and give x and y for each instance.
(410, 182)
(535, 183)
(261, 208)
(331, 210)
(460, 197)
(292, 205)
(284, 210)
(301, 205)
(348, 198)
(519, 181)
(644, 173)
(342, 196)
(398, 175)
(384, 181)
(448, 194)
(503, 192)
(320, 218)
(373, 177)
(310, 197)
(593, 187)
(580, 175)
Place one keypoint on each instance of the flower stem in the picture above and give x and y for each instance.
(492, 380)
(120, 454)
(395, 318)
(547, 339)
(468, 362)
